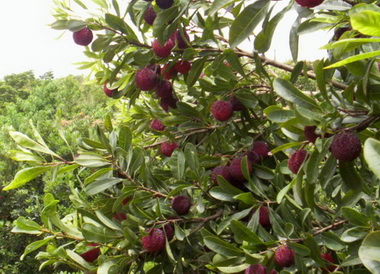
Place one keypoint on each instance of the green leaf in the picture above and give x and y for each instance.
(222, 247)
(246, 21)
(26, 142)
(98, 234)
(294, 39)
(25, 175)
(371, 153)
(23, 156)
(217, 5)
(369, 252)
(35, 245)
(243, 233)
(195, 71)
(264, 39)
(292, 94)
(78, 259)
(89, 159)
(107, 222)
(366, 22)
(24, 225)
(285, 146)
(177, 164)
(354, 217)
(354, 59)
(125, 138)
(350, 177)
(100, 185)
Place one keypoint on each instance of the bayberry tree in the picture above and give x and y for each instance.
(219, 159)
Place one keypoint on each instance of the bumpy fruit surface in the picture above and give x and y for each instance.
(168, 71)
(107, 91)
(164, 4)
(296, 160)
(284, 256)
(169, 231)
(223, 171)
(222, 110)
(164, 89)
(309, 3)
(236, 104)
(253, 157)
(154, 241)
(328, 257)
(157, 125)
(162, 51)
(261, 148)
(83, 37)
(120, 216)
(168, 148)
(91, 255)
(258, 269)
(182, 66)
(236, 170)
(181, 204)
(346, 146)
(167, 102)
(182, 42)
(264, 219)
(150, 15)
(146, 79)
(310, 135)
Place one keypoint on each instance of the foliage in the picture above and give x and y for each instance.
(46, 96)
(329, 205)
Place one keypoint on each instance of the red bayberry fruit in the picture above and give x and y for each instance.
(284, 256)
(108, 92)
(256, 269)
(168, 72)
(253, 157)
(328, 257)
(162, 51)
(309, 132)
(182, 66)
(125, 201)
(83, 37)
(181, 204)
(164, 89)
(309, 3)
(236, 170)
(169, 231)
(146, 79)
(91, 255)
(164, 4)
(157, 125)
(222, 110)
(264, 219)
(346, 146)
(168, 148)
(296, 160)
(120, 216)
(261, 148)
(155, 67)
(182, 41)
(236, 104)
(167, 102)
(154, 241)
(150, 15)
(223, 171)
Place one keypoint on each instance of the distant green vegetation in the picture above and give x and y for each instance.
(51, 106)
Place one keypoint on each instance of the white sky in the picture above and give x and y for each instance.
(28, 43)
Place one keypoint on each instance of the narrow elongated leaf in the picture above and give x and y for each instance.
(107, 221)
(218, 4)
(243, 233)
(289, 92)
(372, 155)
(177, 164)
(354, 217)
(78, 259)
(89, 159)
(100, 185)
(36, 245)
(246, 21)
(26, 142)
(222, 247)
(25, 175)
(195, 71)
(23, 156)
(354, 59)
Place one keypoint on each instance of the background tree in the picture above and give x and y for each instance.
(214, 163)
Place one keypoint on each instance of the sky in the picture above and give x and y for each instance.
(30, 44)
